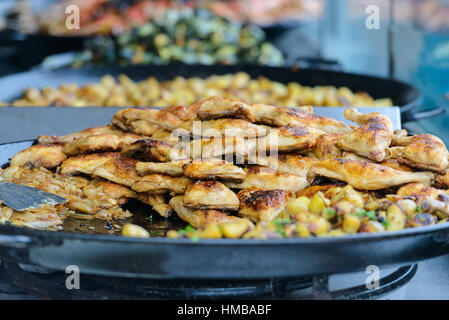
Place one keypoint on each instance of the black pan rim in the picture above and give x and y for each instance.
(360, 237)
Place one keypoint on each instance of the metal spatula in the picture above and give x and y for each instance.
(21, 198)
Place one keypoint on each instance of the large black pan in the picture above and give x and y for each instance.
(215, 259)
(402, 94)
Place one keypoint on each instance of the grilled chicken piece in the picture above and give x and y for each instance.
(327, 146)
(198, 218)
(215, 108)
(113, 190)
(309, 192)
(213, 169)
(152, 150)
(371, 139)
(420, 192)
(169, 118)
(395, 164)
(423, 151)
(262, 205)
(166, 136)
(224, 127)
(159, 183)
(172, 168)
(109, 129)
(86, 163)
(268, 179)
(291, 163)
(365, 176)
(210, 195)
(443, 180)
(47, 156)
(140, 127)
(289, 139)
(157, 202)
(100, 143)
(294, 116)
(119, 170)
(218, 147)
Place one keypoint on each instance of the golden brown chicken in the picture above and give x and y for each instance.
(268, 179)
(160, 183)
(86, 163)
(287, 139)
(371, 138)
(152, 150)
(99, 143)
(423, 151)
(219, 147)
(290, 163)
(262, 205)
(166, 136)
(169, 118)
(157, 203)
(137, 126)
(224, 127)
(420, 192)
(172, 168)
(199, 218)
(214, 169)
(303, 117)
(210, 195)
(214, 108)
(108, 129)
(47, 156)
(365, 176)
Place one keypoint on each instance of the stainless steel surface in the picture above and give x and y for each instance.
(27, 123)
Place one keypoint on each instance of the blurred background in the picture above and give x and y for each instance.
(406, 40)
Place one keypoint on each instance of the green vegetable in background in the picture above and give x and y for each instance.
(188, 36)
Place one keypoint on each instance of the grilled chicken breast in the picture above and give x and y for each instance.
(47, 156)
(262, 205)
(365, 176)
(198, 218)
(210, 195)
